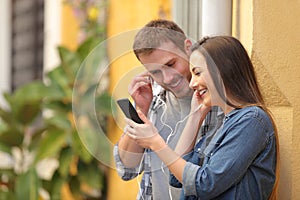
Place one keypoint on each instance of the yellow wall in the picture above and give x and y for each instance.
(270, 31)
(126, 16)
(69, 39)
(276, 48)
(69, 28)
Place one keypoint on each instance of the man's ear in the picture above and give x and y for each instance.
(187, 46)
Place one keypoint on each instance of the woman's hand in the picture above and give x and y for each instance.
(146, 134)
(140, 90)
(197, 105)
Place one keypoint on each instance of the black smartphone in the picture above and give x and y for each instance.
(129, 110)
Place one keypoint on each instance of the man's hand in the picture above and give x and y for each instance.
(140, 90)
(146, 134)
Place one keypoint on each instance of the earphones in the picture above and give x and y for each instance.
(172, 133)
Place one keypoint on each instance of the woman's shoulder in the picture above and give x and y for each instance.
(256, 113)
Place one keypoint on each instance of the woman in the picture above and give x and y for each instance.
(240, 161)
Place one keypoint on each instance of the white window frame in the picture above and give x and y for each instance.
(200, 18)
(5, 48)
(52, 29)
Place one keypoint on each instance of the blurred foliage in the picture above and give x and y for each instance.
(38, 134)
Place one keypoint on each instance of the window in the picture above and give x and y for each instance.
(200, 18)
(27, 41)
(187, 14)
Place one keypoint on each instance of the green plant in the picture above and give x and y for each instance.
(37, 127)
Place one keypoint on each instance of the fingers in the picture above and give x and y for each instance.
(143, 117)
(134, 137)
(137, 85)
(131, 124)
(138, 82)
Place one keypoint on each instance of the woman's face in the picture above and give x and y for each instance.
(201, 80)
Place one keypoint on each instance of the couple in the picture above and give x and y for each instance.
(208, 133)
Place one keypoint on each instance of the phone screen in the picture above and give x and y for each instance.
(129, 110)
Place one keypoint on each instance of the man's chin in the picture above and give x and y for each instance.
(182, 93)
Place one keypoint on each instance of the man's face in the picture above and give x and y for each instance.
(169, 67)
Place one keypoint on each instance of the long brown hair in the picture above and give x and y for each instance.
(234, 78)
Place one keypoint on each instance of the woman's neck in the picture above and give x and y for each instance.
(227, 109)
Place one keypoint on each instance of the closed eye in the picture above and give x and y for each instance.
(155, 72)
(196, 71)
(170, 64)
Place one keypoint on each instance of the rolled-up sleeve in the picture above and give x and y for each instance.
(124, 172)
(188, 178)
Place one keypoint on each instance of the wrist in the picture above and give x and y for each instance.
(159, 143)
(144, 110)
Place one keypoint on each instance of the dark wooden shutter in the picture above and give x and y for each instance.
(27, 41)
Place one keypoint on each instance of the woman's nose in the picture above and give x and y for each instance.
(193, 83)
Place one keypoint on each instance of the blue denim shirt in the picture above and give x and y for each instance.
(239, 162)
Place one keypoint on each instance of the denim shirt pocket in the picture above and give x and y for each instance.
(198, 156)
(209, 151)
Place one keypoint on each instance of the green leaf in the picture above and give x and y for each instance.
(80, 149)
(9, 98)
(91, 174)
(27, 112)
(27, 185)
(60, 86)
(70, 62)
(32, 92)
(7, 117)
(55, 186)
(74, 185)
(59, 120)
(5, 148)
(87, 46)
(37, 135)
(58, 107)
(104, 104)
(51, 143)
(25, 103)
(7, 194)
(11, 137)
(65, 160)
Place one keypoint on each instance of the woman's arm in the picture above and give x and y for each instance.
(196, 117)
(188, 137)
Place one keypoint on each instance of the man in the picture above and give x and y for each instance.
(162, 47)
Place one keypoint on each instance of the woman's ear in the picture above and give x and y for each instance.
(187, 46)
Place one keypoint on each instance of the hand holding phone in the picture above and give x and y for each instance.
(129, 110)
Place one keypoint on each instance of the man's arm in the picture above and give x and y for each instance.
(140, 90)
(130, 153)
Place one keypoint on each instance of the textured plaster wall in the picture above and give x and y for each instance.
(276, 53)
(270, 31)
